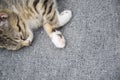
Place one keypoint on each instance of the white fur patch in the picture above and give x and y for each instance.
(15, 9)
(34, 23)
(64, 17)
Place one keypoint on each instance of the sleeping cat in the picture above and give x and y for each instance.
(19, 17)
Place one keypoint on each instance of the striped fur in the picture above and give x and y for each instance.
(19, 17)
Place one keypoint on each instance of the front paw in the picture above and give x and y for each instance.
(58, 39)
(26, 43)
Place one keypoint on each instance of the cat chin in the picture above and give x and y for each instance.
(58, 39)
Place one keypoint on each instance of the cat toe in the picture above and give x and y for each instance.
(58, 39)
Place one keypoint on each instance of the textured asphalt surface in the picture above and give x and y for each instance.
(92, 51)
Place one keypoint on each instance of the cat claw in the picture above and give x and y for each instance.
(58, 39)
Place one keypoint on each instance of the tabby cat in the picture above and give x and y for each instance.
(19, 17)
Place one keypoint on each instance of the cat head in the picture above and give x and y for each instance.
(9, 31)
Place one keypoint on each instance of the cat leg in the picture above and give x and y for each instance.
(52, 20)
(64, 17)
(55, 36)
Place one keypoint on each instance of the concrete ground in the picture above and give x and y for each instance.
(92, 51)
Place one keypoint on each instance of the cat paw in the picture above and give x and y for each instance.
(58, 39)
(65, 17)
(26, 43)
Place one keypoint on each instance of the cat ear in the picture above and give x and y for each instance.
(3, 18)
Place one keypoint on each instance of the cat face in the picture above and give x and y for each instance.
(10, 35)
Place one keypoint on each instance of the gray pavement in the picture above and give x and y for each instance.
(92, 51)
